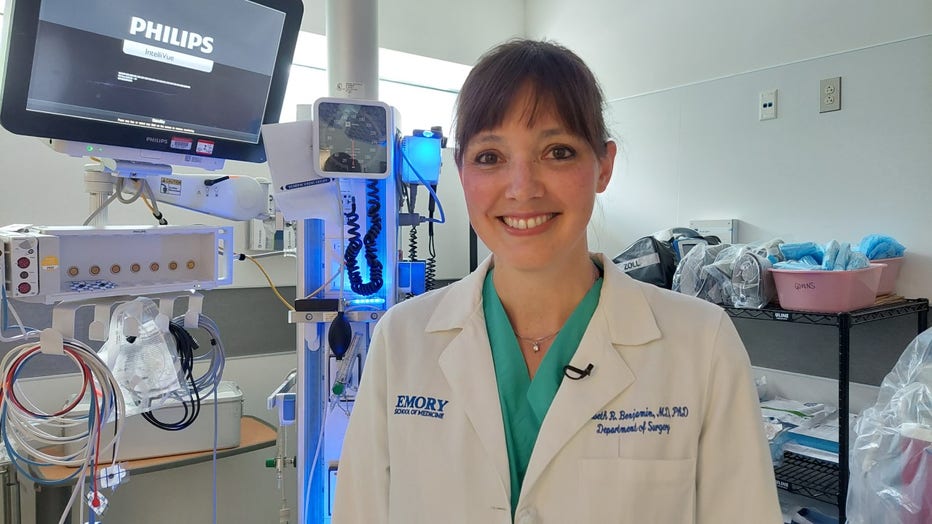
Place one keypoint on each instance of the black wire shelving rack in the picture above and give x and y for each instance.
(818, 479)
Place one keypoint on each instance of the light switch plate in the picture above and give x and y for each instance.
(768, 105)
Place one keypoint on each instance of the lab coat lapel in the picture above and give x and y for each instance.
(622, 319)
(467, 366)
(578, 400)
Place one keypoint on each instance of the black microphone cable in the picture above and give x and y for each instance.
(577, 373)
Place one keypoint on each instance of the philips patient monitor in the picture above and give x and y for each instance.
(171, 81)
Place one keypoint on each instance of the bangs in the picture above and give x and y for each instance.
(552, 79)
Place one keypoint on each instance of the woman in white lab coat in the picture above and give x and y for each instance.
(547, 386)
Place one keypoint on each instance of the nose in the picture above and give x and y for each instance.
(524, 179)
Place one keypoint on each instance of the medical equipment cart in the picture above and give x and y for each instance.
(813, 478)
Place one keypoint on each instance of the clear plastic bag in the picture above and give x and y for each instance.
(891, 456)
(729, 274)
(688, 277)
(142, 354)
(751, 281)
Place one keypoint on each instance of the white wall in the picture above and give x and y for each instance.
(685, 114)
(637, 47)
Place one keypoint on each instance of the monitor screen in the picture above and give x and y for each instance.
(194, 79)
(354, 138)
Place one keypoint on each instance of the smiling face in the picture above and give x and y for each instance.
(530, 186)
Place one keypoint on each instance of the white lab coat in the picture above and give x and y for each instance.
(666, 430)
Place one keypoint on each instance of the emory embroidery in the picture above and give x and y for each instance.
(420, 405)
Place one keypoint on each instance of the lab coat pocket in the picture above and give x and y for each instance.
(620, 490)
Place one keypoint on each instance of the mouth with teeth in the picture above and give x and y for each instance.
(528, 222)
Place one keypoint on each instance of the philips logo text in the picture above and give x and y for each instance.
(171, 35)
(421, 406)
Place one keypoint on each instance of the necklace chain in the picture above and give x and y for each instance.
(535, 342)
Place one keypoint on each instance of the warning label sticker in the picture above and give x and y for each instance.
(170, 186)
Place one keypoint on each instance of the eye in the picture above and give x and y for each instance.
(561, 153)
(486, 158)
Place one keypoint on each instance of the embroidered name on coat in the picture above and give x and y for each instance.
(658, 421)
(420, 405)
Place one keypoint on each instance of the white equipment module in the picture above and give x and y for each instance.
(52, 264)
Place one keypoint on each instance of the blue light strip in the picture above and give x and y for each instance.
(366, 302)
(314, 502)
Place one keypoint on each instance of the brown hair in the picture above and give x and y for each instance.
(557, 77)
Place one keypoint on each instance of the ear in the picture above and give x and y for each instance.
(606, 165)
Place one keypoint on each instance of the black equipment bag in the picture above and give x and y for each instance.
(648, 260)
(653, 260)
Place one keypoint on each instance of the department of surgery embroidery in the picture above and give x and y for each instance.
(641, 421)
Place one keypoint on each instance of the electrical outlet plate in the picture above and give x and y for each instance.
(830, 94)
(768, 105)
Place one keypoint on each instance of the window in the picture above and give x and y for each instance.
(422, 89)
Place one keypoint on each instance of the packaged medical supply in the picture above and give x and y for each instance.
(751, 282)
(880, 246)
(729, 274)
(141, 354)
(833, 256)
(798, 250)
(777, 436)
(891, 456)
(823, 436)
(795, 413)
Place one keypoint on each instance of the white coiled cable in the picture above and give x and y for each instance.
(29, 433)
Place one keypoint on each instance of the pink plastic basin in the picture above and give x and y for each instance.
(827, 291)
(889, 275)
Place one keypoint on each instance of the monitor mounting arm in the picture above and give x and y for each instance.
(232, 197)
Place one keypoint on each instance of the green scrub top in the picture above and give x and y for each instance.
(525, 401)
